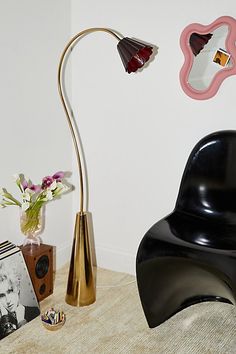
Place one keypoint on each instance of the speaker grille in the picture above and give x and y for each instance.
(41, 267)
(42, 289)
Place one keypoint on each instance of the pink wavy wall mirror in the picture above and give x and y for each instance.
(209, 56)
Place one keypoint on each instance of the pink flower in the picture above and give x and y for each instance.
(35, 188)
(47, 181)
(24, 184)
(58, 176)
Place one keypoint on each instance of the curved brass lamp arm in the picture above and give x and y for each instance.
(66, 104)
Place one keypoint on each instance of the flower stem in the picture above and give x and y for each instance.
(31, 220)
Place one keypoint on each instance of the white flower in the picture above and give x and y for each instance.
(62, 187)
(49, 195)
(25, 206)
(53, 186)
(16, 178)
(29, 191)
(26, 196)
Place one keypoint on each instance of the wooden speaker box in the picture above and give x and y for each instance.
(39, 261)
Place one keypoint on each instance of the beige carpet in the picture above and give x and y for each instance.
(116, 324)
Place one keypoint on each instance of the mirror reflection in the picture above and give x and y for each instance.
(210, 56)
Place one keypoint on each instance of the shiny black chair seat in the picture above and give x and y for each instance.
(190, 255)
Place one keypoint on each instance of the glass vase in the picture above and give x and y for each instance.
(31, 225)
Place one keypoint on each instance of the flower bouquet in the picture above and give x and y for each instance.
(33, 198)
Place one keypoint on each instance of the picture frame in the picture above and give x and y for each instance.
(18, 301)
(221, 57)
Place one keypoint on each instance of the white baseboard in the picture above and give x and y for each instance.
(63, 254)
(115, 260)
(106, 258)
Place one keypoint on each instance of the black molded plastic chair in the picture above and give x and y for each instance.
(190, 255)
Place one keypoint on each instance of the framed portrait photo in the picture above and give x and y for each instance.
(221, 57)
(18, 302)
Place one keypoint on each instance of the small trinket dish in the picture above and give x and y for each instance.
(53, 319)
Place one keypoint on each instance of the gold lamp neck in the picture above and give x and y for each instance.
(66, 105)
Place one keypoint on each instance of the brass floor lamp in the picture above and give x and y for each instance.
(81, 285)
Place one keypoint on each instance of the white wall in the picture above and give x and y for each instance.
(35, 138)
(138, 130)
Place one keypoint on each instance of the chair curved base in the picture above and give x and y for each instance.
(167, 284)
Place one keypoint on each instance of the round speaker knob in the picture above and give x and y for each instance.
(41, 267)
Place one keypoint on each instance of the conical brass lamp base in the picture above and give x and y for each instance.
(81, 283)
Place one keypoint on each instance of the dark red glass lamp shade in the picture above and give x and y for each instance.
(134, 54)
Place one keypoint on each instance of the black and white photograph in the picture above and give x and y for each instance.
(18, 302)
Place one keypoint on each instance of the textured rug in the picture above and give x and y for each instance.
(116, 324)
